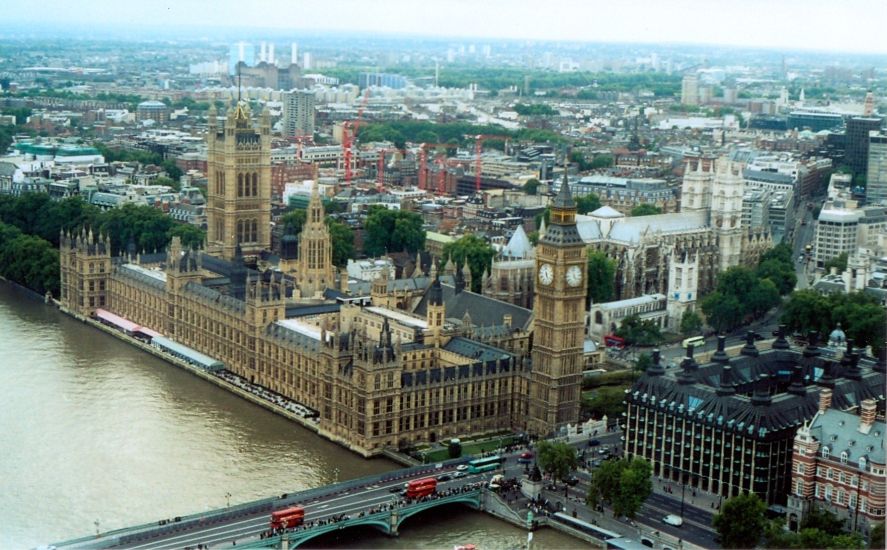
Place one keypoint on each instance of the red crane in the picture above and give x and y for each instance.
(423, 160)
(349, 131)
(478, 149)
(380, 165)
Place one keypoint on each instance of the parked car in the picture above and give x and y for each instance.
(444, 477)
(572, 481)
(594, 443)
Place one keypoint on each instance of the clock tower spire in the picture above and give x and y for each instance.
(559, 307)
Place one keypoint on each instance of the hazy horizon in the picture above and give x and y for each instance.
(851, 26)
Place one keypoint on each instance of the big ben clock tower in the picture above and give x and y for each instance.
(559, 307)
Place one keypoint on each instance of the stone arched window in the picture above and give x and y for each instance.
(254, 231)
(255, 184)
(239, 185)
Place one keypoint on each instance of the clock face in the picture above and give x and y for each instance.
(546, 274)
(574, 276)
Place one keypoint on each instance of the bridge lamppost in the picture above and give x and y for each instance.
(336, 472)
(96, 523)
(228, 500)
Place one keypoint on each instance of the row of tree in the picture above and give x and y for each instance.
(458, 134)
(143, 157)
(28, 260)
(742, 523)
(744, 293)
(861, 317)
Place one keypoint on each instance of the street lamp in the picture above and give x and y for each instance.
(228, 500)
(96, 523)
(336, 472)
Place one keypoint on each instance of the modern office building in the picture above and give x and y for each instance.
(152, 110)
(857, 151)
(836, 232)
(876, 180)
(298, 113)
(728, 427)
(382, 80)
(815, 120)
(690, 90)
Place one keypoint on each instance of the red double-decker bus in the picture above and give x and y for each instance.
(613, 341)
(421, 487)
(288, 517)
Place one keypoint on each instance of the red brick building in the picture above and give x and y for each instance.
(838, 464)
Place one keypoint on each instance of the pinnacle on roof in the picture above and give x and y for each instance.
(564, 198)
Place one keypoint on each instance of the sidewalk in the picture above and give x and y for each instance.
(694, 497)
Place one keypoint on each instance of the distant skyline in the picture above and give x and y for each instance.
(825, 25)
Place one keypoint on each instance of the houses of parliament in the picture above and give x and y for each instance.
(387, 364)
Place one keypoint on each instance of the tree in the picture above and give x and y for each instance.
(342, 240)
(168, 182)
(625, 484)
(531, 187)
(782, 275)
(824, 520)
(635, 330)
(556, 458)
(860, 315)
(763, 297)
(601, 161)
(191, 235)
(474, 253)
(741, 521)
(838, 262)
(643, 362)
(877, 536)
(646, 209)
(392, 231)
(723, 312)
(606, 401)
(587, 203)
(601, 278)
(635, 485)
(294, 220)
(691, 323)
(454, 448)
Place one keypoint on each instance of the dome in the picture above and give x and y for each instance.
(837, 338)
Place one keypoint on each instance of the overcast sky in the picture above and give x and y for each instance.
(834, 25)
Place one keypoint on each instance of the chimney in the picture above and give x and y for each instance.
(825, 399)
(655, 368)
(866, 415)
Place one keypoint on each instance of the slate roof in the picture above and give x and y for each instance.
(518, 245)
(364, 288)
(483, 310)
(838, 431)
(215, 296)
(748, 406)
(630, 229)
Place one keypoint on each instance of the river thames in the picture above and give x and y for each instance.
(95, 433)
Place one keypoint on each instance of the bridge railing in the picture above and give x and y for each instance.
(145, 531)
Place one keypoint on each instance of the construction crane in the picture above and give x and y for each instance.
(349, 131)
(380, 165)
(478, 149)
